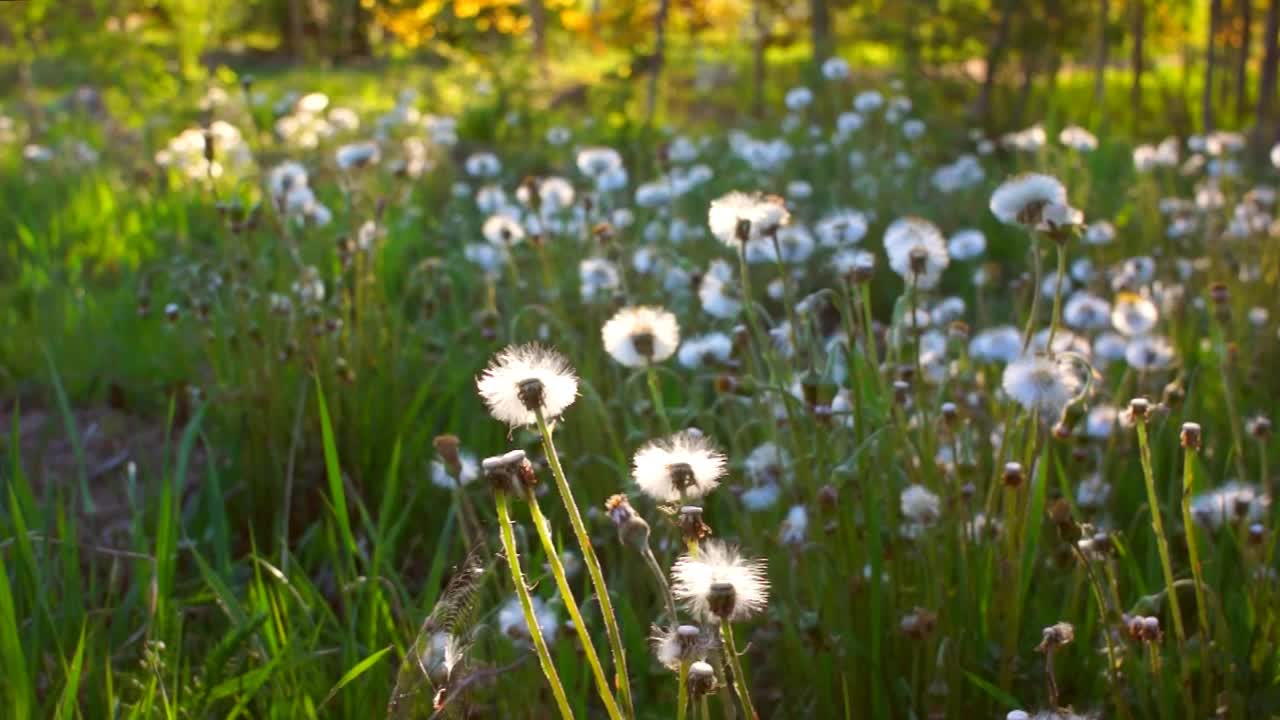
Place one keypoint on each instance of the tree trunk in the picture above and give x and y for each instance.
(1139, 32)
(1206, 109)
(1100, 61)
(1242, 61)
(659, 56)
(538, 23)
(294, 35)
(1267, 77)
(1030, 65)
(820, 30)
(758, 58)
(995, 55)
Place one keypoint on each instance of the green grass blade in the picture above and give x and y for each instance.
(67, 702)
(337, 490)
(355, 672)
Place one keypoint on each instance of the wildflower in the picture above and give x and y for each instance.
(632, 529)
(597, 278)
(640, 335)
(677, 646)
(967, 244)
(841, 227)
(284, 177)
(761, 497)
(685, 466)
(998, 344)
(597, 161)
(1022, 200)
(467, 471)
(502, 230)
(869, 100)
(1092, 492)
(916, 251)
(791, 245)
(795, 527)
(798, 98)
(1133, 314)
(511, 620)
(1149, 353)
(719, 584)
(483, 165)
(835, 68)
(714, 292)
(738, 217)
(1099, 233)
(357, 155)
(1041, 384)
(920, 507)
(1233, 501)
(1101, 422)
(1085, 311)
(711, 349)
(523, 380)
(1078, 139)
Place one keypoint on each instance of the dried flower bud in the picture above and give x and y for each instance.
(1138, 409)
(1013, 474)
(1259, 427)
(447, 448)
(510, 473)
(691, 525)
(702, 679)
(1055, 636)
(1190, 436)
(633, 530)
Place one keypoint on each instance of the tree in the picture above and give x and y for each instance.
(1139, 32)
(1242, 58)
(1210, 59)
(820, 29)
(1100, 61)
(1267, 77)
(995, 55)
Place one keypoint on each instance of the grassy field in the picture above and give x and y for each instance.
(243, 427)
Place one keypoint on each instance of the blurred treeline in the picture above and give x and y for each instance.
(1198, 64)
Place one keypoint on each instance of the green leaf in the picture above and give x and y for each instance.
(356, 672)
(337, 490)
(999, 695)
(71, 691)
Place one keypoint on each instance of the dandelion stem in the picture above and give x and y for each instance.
(526, 604)
(1158, 526)
(656, 569)
(735, 663)
(1057, 296)
(622, 679)
(682, 696)
(575, 614)
(655, 394)
(1193, 542)
(1037, 270)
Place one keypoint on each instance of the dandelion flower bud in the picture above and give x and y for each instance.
(1190, 436)
(1138, 409)
(510, 473)
(1257, 533)
(447, 446)
(1057, 635)
(684, 644)
(692, 526)
(1259, 427)
(632, 529)
(702, 679)
(1013, 474)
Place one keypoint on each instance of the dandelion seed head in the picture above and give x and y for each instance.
(754, 214)
(524, 378)
(639, 335)
(1041, 384)
(680, 468)
(702, 583)
(1021, 200)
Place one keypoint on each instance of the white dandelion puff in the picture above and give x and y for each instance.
(1042, 384)
(641, 335)
(680, 468)
(1022, 200)
(720, 584)
(525, 379)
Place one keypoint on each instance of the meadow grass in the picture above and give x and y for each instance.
(222, 496)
